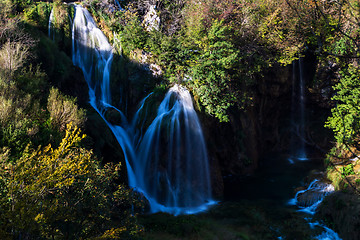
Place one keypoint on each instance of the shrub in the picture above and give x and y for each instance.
(348, 170)
(63, 110)
(32, 81)
(38, 13)
(63, 193)
(13, 56)
(345, 120)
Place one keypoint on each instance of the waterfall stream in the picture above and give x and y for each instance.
(167, 162)
(301, 153)
(298, 151)
(308, 200)
(51, 33)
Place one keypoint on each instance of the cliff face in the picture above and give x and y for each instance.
(268, 125)
(238, 145)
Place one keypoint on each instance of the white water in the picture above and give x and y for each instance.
(51, 32)
(314, 195)
(166, 161)
(169, 176)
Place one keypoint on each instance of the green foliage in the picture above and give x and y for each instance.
(357, 181)
(347, 170)
(63, 193)
(63, 110)
(15, 136)
(14, 120)
(61, 25)
(345, 120)
(170, 54)
(22, 4)
(278, 29)
(133, 35)
(212, 72)
(57, 65)
(32, 80)
(38, 13)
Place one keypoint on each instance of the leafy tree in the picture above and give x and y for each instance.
(63, 193)
(212, 73)
(345, 119)
(133, 35)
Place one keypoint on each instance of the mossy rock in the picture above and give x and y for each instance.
(341, 212)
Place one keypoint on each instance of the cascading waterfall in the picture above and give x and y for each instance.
(298, 113)
(51, 32)
(172, 159)
(167, 162)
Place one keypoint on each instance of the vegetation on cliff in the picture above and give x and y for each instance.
(51, 184)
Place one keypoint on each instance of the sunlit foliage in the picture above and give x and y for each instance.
(63, 193)
(63, 110)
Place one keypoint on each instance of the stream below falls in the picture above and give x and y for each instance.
(272, 190)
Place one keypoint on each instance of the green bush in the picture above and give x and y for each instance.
(63, 193)
(348, 170)
(345, 118)
(133, 35)
(38, 13)
(32, 81)
(15, 136)
(63, 110)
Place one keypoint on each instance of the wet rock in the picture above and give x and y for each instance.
(316, 191)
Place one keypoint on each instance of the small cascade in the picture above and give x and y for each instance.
(166, 161)
(308, 200)
(298, 151)
(327, 234)
(93, 54)
(51, 32)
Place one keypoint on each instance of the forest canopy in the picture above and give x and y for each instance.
(220, 49)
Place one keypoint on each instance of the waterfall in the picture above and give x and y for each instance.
(51, 32)
(298, 151)
(172, 162)
(308, 200)
(302, 152)
(167, 161)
